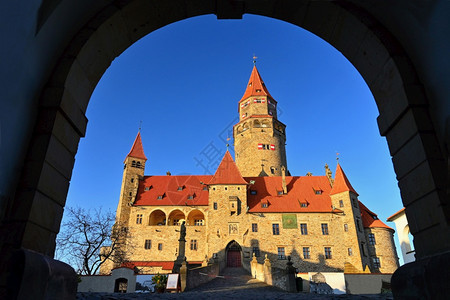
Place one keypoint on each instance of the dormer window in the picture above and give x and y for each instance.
(252, 192)
(258, 90)
(265, 204)
(190, 197)
(318, 191)
(161, 196)
(147, 188)
(303, 204)
(279, 193)
(180, 188)
(205, 188)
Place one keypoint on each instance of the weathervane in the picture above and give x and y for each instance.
(254, 59)
(140, 125)
(228, 145)
(337, 157)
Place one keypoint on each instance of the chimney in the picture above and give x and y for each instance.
(283, 179)
(329, 174)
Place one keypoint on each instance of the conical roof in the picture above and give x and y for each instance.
(137, 150)
(255, 86)
(341, 183)
(227, 172)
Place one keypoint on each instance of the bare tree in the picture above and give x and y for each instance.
(90, 238)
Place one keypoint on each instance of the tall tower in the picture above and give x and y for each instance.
(133, 171)
(259, 137)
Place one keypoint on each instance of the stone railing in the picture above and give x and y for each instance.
(201, 275)
(280, 278)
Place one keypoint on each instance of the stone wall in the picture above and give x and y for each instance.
(268, 274)
(106, 283)
(201, 275)
(365, 283)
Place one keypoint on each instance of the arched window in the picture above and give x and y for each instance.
(138, 164)
(133, 163)
(256, 124)
(157, 217)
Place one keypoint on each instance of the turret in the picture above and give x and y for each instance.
(259, 137)
(133, 171)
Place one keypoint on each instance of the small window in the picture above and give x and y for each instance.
(147, 188)
(254, 227)
(345, 227)
(371, 239)
(272, 170)
(279, 193)
(264, 205)
(205, 188)
(226, 188)
(355, 205)
(190, 197)
(214, 188)
(133, 163)
(215, 205)
(303, 204)
(132, 180)
(176, 222)
(160, 246)
(376, 262)
(318, 192)
(180, 188)
(160, 197)
(327, 252)
(138, 164)
(362, 249)
(306, 253)
(130, 194)
(198, 222)
(255, 251)
(252, 192)
(148, 244)
(358, 224)
(276, 229)
(281, 253)
(239, 188)
(341, 203)
(139, 219)
(304, 229)
(325, 229)
(194, 245)
(374, 217)
(350, 251)
(258, 90)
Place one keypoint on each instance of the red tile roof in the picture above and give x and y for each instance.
(227, 172)
(390, 219)
(255, 83)
(370, 219)
(300, 190)
(341, 183)
(167, 186)
(137, 150)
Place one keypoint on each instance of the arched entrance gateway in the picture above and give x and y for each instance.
(234, 255)
(400, 51)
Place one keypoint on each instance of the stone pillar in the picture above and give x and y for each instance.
(267, 271)
(183, 275)
(253, 266)
(182, 250)
(290, 273)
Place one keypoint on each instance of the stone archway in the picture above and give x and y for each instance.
(411, 123)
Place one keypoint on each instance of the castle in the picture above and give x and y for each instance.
(251, 207)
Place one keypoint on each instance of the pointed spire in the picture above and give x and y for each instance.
(137, 150)
(227, 172)
(341, 183)
(255, 86)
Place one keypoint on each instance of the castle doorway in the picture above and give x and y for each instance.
(234, 255)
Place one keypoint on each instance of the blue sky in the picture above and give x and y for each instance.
(184, 82)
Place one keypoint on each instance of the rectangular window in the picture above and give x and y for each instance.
(176, 222)
(160, 246)
(372, 239)
(341, 203)
(327, 252)
(303, 204)
(362, 249)
(306, 253)
(281, 253)
(194, 245)
(358, 224)
(198, 222)
(376, 262)
(215, 205)
(324, 229)
(264, 205)
(139, 219)
(256, 251)
(350, 252)
(276, 229)
(254, 227)
(304, 228)
(345, 227)
(148, 244)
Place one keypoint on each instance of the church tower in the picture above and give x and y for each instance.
(259, 137)
(133, 171)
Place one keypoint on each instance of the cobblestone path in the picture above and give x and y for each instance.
(234, 283)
